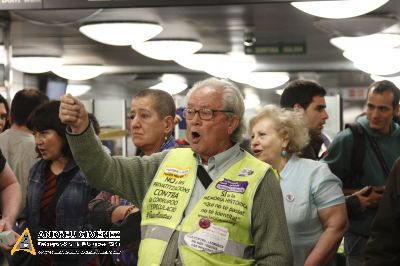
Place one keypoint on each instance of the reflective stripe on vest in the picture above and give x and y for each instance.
(164, 233)
(169, 195)
(165, 202)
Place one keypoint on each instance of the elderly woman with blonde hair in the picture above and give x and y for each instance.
(313, 198)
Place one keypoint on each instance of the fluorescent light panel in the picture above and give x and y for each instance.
(35, 64)
(375, 61)
(78, 72)
(338, 9)
(121, 33)
(262, 80)
(167, 49)
(373, 41)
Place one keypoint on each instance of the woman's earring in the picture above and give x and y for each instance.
(165, 138)
(284, 153)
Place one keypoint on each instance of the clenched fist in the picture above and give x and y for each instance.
(73, 114)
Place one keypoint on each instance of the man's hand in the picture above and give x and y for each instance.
(115, 199)
(73, 114)
(6, 226)
(368, 197)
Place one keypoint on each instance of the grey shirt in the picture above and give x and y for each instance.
(19, 149)
(131, 177)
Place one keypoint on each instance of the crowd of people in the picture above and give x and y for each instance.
(290, 200)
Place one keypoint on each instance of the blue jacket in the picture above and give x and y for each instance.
(72, 206)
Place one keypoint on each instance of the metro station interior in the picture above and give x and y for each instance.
(251, 36)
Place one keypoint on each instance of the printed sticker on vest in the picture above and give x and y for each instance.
(232, 186)
(211, 240)
(245, 172)
(176, 172)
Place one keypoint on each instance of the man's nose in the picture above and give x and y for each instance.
(38, 139)
(325, 115)
(196, 118)
(134, 122)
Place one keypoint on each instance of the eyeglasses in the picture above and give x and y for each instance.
(3, 116)
(204, 113)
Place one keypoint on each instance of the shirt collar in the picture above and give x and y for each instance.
(222, 159)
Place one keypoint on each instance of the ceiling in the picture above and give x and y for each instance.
(219, 27)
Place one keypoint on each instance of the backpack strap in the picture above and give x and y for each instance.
(378, 154)
(357, 156)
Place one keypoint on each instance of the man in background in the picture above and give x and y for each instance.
(17, 143)
(308, 97)
(381, 148)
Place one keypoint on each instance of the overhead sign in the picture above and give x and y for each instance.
(279, 49)
(20, 4)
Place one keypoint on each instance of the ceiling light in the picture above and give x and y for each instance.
(78, 72)
(172, 78)
(171, 83)
(373, 41)
(394, 79)
(235, 64)
(201, 61)
(263, 80)
(170, 87)
(120, 33)
(379, 62)
(219, 64)
(251, 99)
(167, 49)
(35, 64)
(338, 9)
(77, 89)
(279, 92)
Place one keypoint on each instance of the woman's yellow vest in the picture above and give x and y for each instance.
(217, 231)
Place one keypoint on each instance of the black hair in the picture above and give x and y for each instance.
(301, 92)
(24, 102)
(45, 117)
(4, 101)
(386, 85)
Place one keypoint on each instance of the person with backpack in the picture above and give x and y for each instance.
(362, 157)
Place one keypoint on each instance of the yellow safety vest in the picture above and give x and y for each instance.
(224, 210)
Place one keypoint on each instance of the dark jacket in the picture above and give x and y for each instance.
(71, 209)
(383, 247)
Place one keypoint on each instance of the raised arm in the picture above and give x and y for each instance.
(10, 198)
(73, 114)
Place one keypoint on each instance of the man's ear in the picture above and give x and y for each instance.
(233, 124)
(396, 110)
(298, 107)
(168, 124)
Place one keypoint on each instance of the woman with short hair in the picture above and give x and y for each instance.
(312, 195)
(58, 195)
